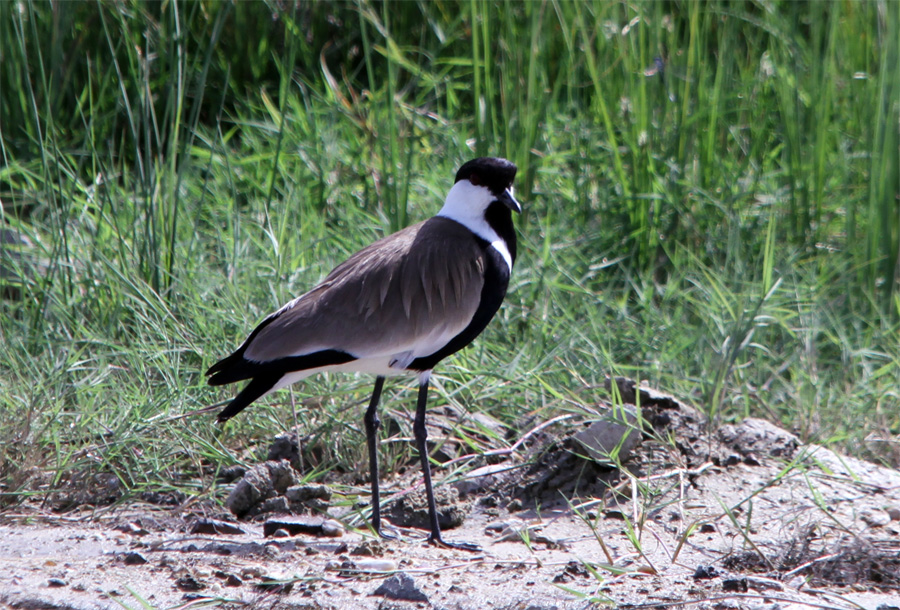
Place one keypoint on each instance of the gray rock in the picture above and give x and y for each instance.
(286, 447)
(486, 477)
(260, 483)
(615, 434)
(215, 527)
(134, 559)
(315, 526)
(302, 493)
(412, 510)
(278, 505)
(401, 586)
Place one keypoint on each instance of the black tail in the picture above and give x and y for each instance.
(255, 389)
(264, 375)
(232, 368)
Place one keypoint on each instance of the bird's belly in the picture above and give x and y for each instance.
(370, 366)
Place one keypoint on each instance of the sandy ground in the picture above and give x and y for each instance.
(743, 518)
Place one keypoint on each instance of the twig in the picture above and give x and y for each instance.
(810, 563)
(766, 597)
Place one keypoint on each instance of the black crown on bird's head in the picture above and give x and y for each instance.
(492, 172)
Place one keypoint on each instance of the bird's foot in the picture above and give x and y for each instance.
(459, 546)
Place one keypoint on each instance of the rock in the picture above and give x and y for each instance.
(57, 582)
(376, 565)
(233, 581)
(313, 526)
(757, 437)
(134, 559)
(188, 583)
(260, 483)
(332, 529)
(705, 572)
(231, 474)
(735, 585)
(215, 527)
(412, 510)
(629, 391)
(286, 447)
(486, 477)
(302, 497)
(613, 437)
(401, 586)
(278, 505)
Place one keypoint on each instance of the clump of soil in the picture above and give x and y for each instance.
(411, 510)
(274, 487)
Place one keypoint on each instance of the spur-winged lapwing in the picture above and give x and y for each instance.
(401, 305)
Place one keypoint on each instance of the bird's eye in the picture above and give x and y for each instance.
(475, 180)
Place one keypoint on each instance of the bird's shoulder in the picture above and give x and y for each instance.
(410, 249)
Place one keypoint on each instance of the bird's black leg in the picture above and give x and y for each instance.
(421, 435)
(372, 425)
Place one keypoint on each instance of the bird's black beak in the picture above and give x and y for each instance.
(507, 199)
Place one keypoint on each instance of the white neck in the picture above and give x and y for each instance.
(466, 204)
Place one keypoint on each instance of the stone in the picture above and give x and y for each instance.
(286, 447)
(260, 483)
(401, 586)
(215, 527)
(612, 437)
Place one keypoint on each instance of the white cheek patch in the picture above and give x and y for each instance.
(466, 204)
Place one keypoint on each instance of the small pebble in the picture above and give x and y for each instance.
(401, 586)
(135, 559)
(735, 585)
(56, 582)
(332, 529)
(376, 565)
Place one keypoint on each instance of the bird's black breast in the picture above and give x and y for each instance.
(496, 282)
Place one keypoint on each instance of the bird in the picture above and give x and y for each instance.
(398, 306)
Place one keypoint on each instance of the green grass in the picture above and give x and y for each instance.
(726, 228)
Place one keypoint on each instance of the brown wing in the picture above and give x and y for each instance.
(412, 289)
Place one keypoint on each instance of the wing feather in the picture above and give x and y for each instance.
(409, 292)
